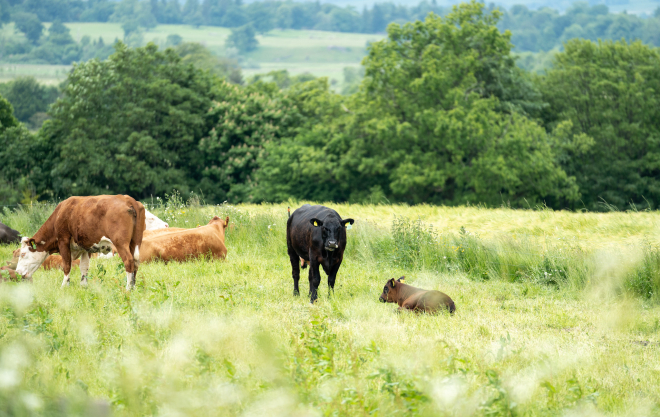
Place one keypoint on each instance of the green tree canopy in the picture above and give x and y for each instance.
(242, 38)
(19, 154)
(604, 103)
(28, 97)
(5, 14)
(130, 124)
(29, 24)
(199, 56)
(440, 118)
(244, 121)
(7, 118)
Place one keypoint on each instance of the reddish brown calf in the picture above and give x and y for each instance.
(415, 299)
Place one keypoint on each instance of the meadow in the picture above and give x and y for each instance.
(323, 54)
(557, 313)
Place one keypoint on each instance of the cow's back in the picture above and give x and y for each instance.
(183, 245)
(119, 218)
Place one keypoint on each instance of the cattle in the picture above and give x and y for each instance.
(9, 274)
(187, 244)
(152, 222)
(317, 236)
(152, 233)
(415, 299)
(57, 262)
(51, 262)
(9, 235)
(83, 225)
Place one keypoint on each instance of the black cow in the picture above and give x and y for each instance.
(9, 235)
(317, 235)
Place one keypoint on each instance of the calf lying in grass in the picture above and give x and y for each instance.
(415, 299)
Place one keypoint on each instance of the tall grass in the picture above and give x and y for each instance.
(228, 338)
(409, 244)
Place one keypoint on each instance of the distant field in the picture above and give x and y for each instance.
(46, 74)
(630, 6)
(324, 54)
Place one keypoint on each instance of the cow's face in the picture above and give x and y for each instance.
(331, 232)
(390, 291)
(30, 257)
(152, 222)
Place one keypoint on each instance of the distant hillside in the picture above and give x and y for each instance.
(639, 7)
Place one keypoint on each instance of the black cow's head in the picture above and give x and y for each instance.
(331, 231)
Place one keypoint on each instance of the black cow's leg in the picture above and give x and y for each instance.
(295, 271)
(331, 278)
(314, 280)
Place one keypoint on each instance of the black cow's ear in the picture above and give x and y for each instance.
(343, 222)
(316, 222)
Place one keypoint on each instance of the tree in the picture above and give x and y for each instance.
(29, 24)
(130, 125)
(438, 119)
(199, 56)
(133, 14)
(19, 153)
(7, 118)
(28, 97)
(244, 121)
(242, 38)
(5, 15)
(604, 105)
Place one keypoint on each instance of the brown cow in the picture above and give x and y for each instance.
(83, 225)
(8, 274)
(56, 262)
(415, 299)
(151, 233)
(187, 243)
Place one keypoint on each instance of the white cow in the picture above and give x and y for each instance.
(152, 223)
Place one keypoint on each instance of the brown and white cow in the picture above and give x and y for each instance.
(51, 262)
(83, 225)
(185, 244)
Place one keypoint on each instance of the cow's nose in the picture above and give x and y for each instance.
(381, 299)
(332, 243)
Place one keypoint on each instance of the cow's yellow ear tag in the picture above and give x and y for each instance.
(316, 224)
(403, 281)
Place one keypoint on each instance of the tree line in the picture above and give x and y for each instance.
(533, 30)
(443, 115)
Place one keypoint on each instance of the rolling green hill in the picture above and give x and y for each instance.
(318, 52)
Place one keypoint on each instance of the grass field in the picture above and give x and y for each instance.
(324, 54)
(550, 321)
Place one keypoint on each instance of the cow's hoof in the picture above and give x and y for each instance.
(296, 293)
